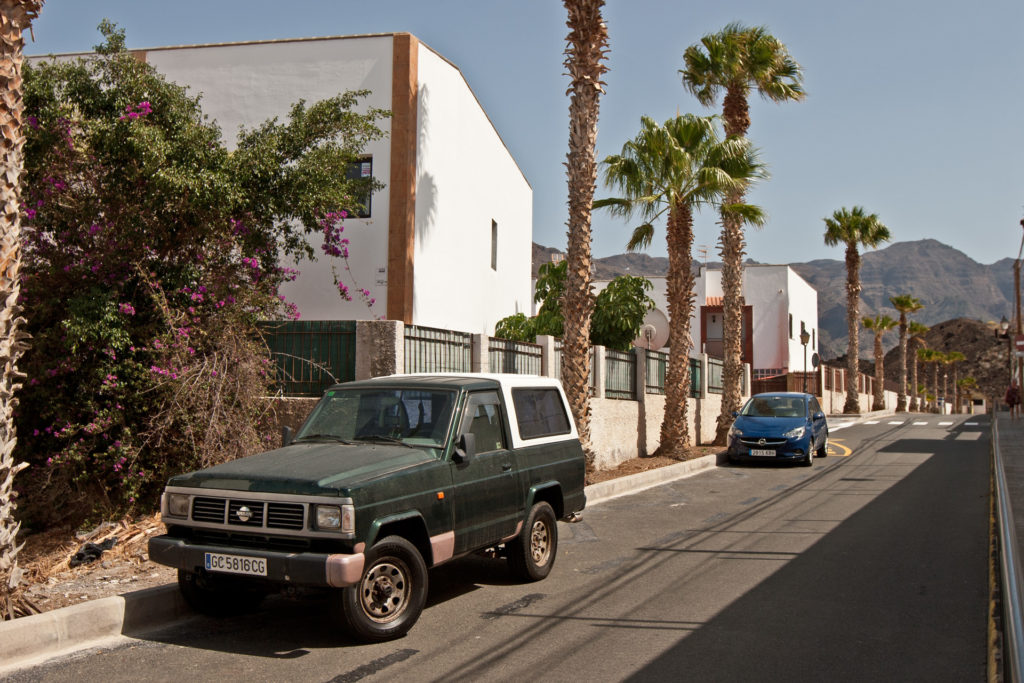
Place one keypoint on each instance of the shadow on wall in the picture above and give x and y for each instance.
(426, 187)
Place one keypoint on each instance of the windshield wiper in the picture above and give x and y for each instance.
(330, 437)
(383, 439)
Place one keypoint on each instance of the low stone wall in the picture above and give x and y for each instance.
(618, 431)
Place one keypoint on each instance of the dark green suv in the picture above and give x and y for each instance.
(386, 478)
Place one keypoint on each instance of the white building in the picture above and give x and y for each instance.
(778, 304)
(448, 240)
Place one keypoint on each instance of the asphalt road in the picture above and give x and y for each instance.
(872, 565)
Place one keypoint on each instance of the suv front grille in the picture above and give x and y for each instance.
(260, 514)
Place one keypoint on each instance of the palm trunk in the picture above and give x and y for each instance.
(587, 45)
(737, 121)
(675, 428)
(732, 319)
(913, 376)
(852, 404)
(901, 397)
(15, 17)
(935, 386)
(879, 401)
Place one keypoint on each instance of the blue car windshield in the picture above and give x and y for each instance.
(416, 417)
(775, 406)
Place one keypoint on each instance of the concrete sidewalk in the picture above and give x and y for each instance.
(32, 640)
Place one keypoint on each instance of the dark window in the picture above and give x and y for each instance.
(790, 325)
(494, 245)
(540, 412)
(362, 169)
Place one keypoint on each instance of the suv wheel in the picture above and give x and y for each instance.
(389, 597)
(532, 554)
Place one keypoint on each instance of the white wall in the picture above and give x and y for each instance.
(466, 179)
(803, 304)
(774, 291)
(246, 84)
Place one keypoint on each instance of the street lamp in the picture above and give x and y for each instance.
(804, 338)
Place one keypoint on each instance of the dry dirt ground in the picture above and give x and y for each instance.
(50, 582)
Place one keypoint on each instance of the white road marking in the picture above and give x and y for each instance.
(920, 424)
(970, 424)
(871, 422)
(945, 424)
(896, 422)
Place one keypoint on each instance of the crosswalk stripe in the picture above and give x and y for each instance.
(971, 424)
(871, 422)
(896, 422)
(920, 424)
(945, 424)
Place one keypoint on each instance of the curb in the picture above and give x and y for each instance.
(634, 483)
(34, 639)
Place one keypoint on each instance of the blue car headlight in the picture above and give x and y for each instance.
(796, 433)
(735, 431)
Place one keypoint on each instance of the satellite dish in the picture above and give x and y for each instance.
(653, 332)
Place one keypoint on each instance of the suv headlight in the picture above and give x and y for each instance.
(795, 433)
(734, 431)
(177, 505)
(336, 518)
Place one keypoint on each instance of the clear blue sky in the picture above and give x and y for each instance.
(915, 108)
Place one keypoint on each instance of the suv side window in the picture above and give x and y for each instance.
(483, 419)
(540, 412)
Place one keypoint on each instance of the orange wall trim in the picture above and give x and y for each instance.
(402, 209)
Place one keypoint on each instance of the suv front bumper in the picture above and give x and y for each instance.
(306, 569)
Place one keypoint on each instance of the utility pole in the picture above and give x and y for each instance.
(1016, 292)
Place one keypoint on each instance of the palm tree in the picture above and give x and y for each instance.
(905, 304)
(15, 17)
(952, 358)
(967, 385)
(675, 168)
(880, 324)
(916, 332)
(735, 61)
(584, 56)
(933, 357)
(852, 228)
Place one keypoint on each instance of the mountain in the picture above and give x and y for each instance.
(949, 283)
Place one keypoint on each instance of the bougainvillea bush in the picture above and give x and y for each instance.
(151, 250)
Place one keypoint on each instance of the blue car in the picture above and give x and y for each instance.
(779, 427)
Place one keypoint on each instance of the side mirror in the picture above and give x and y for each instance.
(819, 415)
(735, 413)
(466, 448)
(287, 436)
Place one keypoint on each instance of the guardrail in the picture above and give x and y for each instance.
(1009, 560)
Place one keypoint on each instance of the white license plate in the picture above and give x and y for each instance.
(762, 451)
(236, 564)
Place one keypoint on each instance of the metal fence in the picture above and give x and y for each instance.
(311, 355)
(520, 358)
(657, 364)
(428, 349)
(620, 375)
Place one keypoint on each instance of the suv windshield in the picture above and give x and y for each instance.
(413, 416)
(775, 406)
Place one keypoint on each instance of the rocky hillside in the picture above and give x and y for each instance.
(950, 284)
(987, 360)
